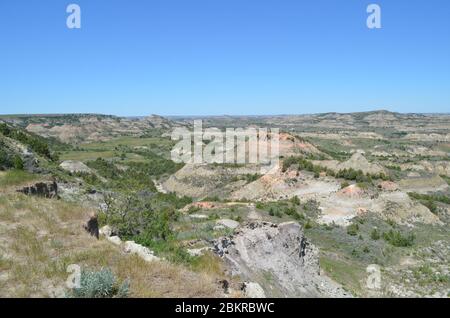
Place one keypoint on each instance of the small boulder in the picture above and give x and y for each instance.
(142, 251)
(115, 240)
(106, 231)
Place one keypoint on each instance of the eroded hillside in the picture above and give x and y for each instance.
(359, 190)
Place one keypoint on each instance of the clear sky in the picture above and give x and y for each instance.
(211, 57)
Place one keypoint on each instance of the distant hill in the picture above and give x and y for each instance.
(74, 128)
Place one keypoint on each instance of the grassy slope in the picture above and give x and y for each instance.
(39, 238)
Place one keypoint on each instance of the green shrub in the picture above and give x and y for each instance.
(396, 238)
(213, 216)
(363, 185)
(375, 235)
(238, 218)
(359, 176)
(291, 211)
(155, 165)
(429, 200)
(251, 177)
(305, 164)
(431, 205)
(391, 223)
(105, 168)
(100, 284)
(312, 206)
(193, 209)
(299, 216)
(344, 184)
(17, 162)
(148, 218)
(259, 206)
(137, 176)
(212, 199)
(353, 229)
(295, 200)
(447, 179)
(147, 221)
(394, 167)
(5, 160)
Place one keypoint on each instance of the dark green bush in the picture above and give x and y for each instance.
(375, 235)
(5, 160)
(396, 238)
(18, 162)
(344, 184)
(305, 164)
(295, 200)
(430, 199)
(359, 176)
(353, 229)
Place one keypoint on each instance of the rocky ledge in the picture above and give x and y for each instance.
(42, 189)
(279, 258)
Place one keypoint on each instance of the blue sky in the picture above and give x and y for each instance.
(210, 57)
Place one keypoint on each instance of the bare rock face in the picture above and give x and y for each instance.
(253, 290)
(278, 258)
(42, 189)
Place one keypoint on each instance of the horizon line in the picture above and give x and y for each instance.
(221, 115)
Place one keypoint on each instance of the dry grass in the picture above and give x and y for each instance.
(40, 237)
(14, 178)
(166, 279)
(208, 263)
